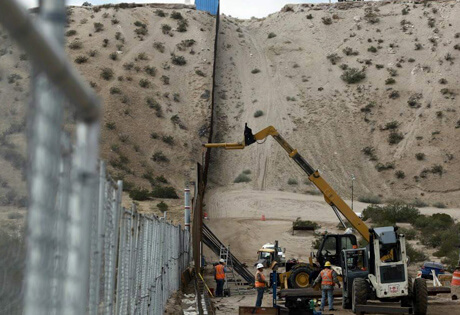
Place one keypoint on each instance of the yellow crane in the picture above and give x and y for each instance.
(330, 195)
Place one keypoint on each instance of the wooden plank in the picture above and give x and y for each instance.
(247, 310)
(382, 309)
(438, 290)
(306, 292)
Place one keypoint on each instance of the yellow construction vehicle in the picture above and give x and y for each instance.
(384, 275)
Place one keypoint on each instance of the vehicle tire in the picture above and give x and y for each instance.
(420, 300)
(346, 303)
(301, 277)
(359, 293)
(407, 300)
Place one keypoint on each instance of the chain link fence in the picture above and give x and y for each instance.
(85, 253)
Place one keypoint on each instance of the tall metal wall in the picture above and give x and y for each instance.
(211, 6)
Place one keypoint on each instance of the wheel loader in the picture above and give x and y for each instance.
(384, 275)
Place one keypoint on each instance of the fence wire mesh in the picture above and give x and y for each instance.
(136, 260)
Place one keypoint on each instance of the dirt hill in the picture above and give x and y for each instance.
(394, 124)
(152, 67)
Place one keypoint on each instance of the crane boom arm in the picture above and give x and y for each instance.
(330, 195)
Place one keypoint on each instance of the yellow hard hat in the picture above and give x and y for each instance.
(327, 264)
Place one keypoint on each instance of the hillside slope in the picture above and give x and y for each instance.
(152, 67)
(289, 65)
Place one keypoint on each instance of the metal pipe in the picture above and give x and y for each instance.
(47, 54)
(44, 143)
(187, 208)
(81, 202)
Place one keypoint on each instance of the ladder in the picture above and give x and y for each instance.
(227, 257)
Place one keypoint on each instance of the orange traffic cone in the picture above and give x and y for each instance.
(456, 278)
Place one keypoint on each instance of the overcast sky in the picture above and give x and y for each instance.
(237, 8)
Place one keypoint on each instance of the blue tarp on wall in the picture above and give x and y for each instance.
(210, 6)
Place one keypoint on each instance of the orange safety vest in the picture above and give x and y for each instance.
(258, 283)
(220, 272)
(326, 277)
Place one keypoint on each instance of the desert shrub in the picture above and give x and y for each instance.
(182, 26)
(107, 73)
(395, 212)
(439, 205)
(98, 27)
(70, 33)
(415, 255)
(409, 233)
(370, 152)
(81, 59)
(165, 28)
(247, 172)
(419, 203)
(150, 70)
(162, 206)
(128, 65)
(76, 44)
(392, 72)
(326, 20)
(390, 81)
(309, 16)
(186, 43)
(395, 137)
(271, 35)
(15, 216)
(392, 125)
(144, 83)
(258, 113)
(418, 46)
(113, 56)
(254, 71)
(333, 58)
(353, 75)
(370, 199)
(161, 179)
(168, 139)
(379, 66)
(139, 194)
(178, 60)
(160, 13)
(114, 21)
(242, 178)
(92, 53)
(372, 49)
(292, 181)
(115, 90)
(305, 223)
(384, 166)
(405, 11)
(164, 192)
(158, 156)
(437, 169)
(350, 52)
(368, 107)
(394, 94)
(176, 15)
(200, 73)
(400, 174)
(165, 79)
(141, 31)
(142, 56)
(159, 46)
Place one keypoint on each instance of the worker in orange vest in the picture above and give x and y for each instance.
(219, 276)
(327, 277)
(260, 284)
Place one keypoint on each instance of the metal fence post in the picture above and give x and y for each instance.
(44, 156)
(77, 276)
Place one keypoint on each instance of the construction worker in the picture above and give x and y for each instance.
(219, 276)
(327, 277)
(260, 284)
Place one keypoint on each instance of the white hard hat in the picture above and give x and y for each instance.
(260, 266)
(222, 260)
